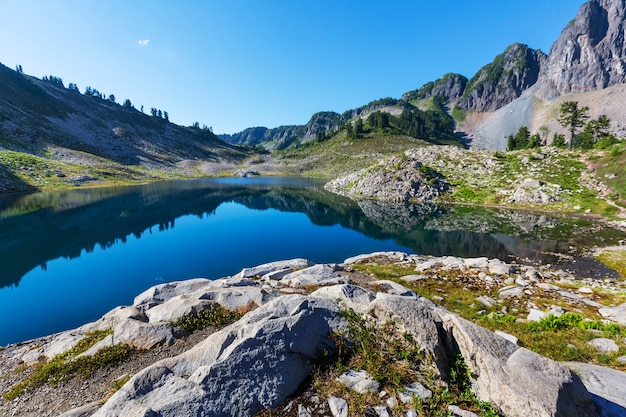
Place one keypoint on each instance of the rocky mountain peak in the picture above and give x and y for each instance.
(590, 54)
(503, 80)
(450, 87)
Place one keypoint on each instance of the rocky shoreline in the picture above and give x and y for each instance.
(294, 313)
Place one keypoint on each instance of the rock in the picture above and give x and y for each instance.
(548, 287)
(486, 301)
(178, 307)
(503, 80)
(303, 411)
(522, 282)
(497, 267)
(412, 390)
(459, 412)
(450, 87)
(338, 406)
(589, 54)
(531, 191)
(260, 360)
(314, 275)
(616, 314)
(392, 402)
(359, 381)
(604, 345)
(419, 318)
(413, 278)
(348, 296)
(261, 270)
(391, 287)
(397, 179)
(411, 413)
(508, 337)
(85, 411)
(163, 292)
(277, 275)
(514, 291)
(381, 411)
(607, 387)
(476, 262)
(535, 315)
(393, 256)
(519, 382)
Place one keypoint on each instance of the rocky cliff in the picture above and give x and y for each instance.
(449, 88)
(590, 54)
(503, 80)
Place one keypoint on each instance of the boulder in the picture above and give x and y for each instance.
(163, 292)
(259, 271)
(417, 317)
(616, 314)
(455, 411)
(607, 387)
(338, 406)
(314, 275)
(348, 296)
(604, 345)
(260, 360)
(359, 381)
(516, 380)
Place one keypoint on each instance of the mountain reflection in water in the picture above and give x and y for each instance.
(107, 244)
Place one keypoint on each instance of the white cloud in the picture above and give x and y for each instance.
(143, 42)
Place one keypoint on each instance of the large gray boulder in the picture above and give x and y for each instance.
(516, 380)
(259, 361)
(607, 387)
(616, 314)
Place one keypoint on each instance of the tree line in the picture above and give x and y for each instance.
(583, 132)
(428, 124)
(93, 92)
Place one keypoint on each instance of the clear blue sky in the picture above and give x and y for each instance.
(232, 64)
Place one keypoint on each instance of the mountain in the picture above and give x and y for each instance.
(44, 123)
(503, 80)
(450, 88)
(590, 54)
(587, 64)
(520, 87)
(284, 136)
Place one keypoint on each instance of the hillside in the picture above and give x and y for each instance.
(518, 88)
(51, 135)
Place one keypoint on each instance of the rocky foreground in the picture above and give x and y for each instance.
(296, 319)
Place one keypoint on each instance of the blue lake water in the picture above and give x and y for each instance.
(67, 257)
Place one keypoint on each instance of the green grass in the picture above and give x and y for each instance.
(68, 364)
(561, 339)
(612, 169)
(615, 259)
(394, 359)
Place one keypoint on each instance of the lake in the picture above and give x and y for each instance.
(69, 256)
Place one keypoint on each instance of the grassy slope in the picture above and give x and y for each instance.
(479, 177)
(339, 156)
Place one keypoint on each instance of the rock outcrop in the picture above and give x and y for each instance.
(503, 80)
(450, 88)
(395, 179)
(257, 362)
(590, 54)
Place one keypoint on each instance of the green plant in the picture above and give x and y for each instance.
(68, 365)
(215, 315)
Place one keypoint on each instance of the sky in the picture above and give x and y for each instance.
(233, 64)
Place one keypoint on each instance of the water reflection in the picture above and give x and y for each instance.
(35, 229)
